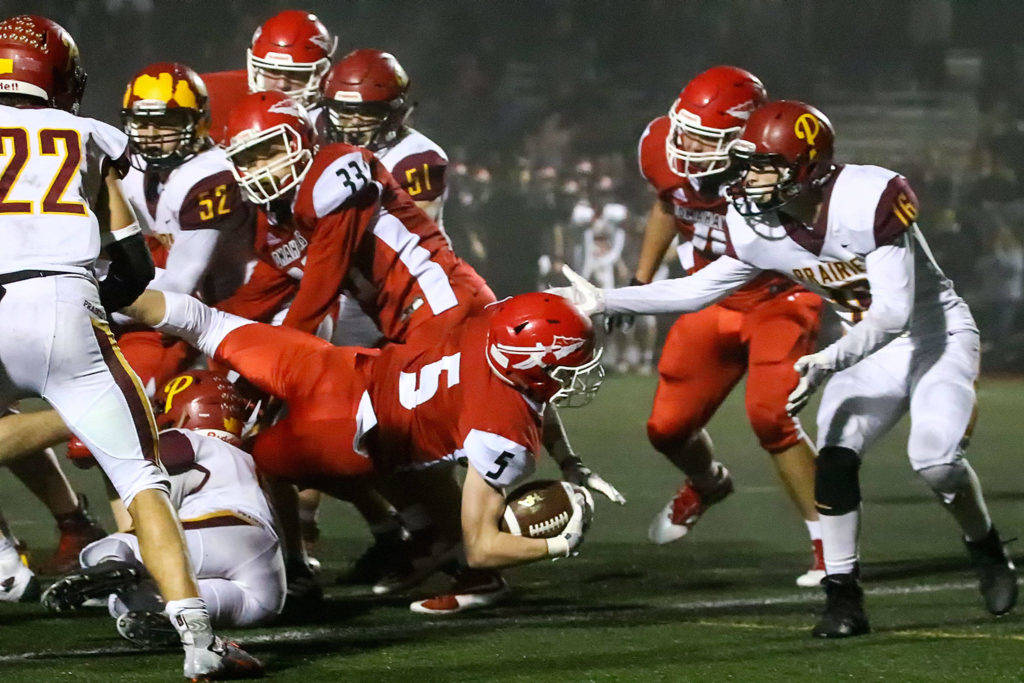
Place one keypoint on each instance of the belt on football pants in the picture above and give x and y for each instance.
(219, 519)
(19, 275)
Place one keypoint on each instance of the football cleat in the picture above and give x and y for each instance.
(426, 558)
(146, 629)
(384, 557)
(684, 510)
(77, 530)
(844, 608)
(303, 587)
(220, 661)
(997, 577)
(473, 589)
(17, 582)
(813, 576)
(71, 591)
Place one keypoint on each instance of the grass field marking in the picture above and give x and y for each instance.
(940, 635)
(562, 616)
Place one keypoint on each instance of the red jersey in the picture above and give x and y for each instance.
(224, 88)
(700, 217)
(351, 228)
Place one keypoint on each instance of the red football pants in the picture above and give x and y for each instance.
(321, 383)
(707, 353)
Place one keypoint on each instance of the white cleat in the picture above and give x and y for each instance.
(17, 582)
(686, 507)
(485, 591)
(813, 576)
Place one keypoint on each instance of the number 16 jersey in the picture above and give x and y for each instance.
(53, 168)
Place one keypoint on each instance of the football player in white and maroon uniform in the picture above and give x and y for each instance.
(849, 233)
(228, 525)
(291, 51)
(182, 188)
(60, 202)
(759, 331)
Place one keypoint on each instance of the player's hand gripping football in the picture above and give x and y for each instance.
(567, 543)
(813, 371)
(585, 296)
(574, 471)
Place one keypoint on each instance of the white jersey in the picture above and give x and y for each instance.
(865, 254)
(54, 165)
(211, 478)
(195, 210)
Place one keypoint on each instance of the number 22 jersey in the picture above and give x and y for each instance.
(53, 168)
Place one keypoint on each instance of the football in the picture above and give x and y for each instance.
(538, 509)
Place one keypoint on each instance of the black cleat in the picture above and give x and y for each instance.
(380, 559)
(997, 577)
(109, 576)
(147, 629)
(844, 608)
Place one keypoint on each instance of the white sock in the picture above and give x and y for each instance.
(191, 621)
(839, 541)
(813, 529)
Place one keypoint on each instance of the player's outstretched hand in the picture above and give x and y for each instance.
(574, 471)
(585, 296)
(813, 371)
(567, 543)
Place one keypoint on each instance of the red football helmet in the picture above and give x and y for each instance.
(290, 52)
(165, 114)
(543, 346)
(365, 98)
(793, 139)
(39, 58)
(79, 454)
(204, 402)
(270, 143)
(712, 108)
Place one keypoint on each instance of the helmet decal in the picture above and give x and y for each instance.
(175, 387)
(807, 127)
(163, 88)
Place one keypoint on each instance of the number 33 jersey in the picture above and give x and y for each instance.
(864, 210)
(53, 168)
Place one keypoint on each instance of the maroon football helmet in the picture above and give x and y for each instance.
(793, 139)
(712, 107)
(205, 402)
(38, 58)
(543, 346)
(365, 98)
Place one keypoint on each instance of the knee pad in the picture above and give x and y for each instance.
(949, 478)
(670, 434)
(836, 481)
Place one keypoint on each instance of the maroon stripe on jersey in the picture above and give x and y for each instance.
(897, 209)
(132, 392)
(422, 175)
(214, 202)
(812, 238)
(176, 452)
(222, 520)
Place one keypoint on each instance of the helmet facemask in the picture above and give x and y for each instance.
(277, 71)
(688, 164)
(579, 384)
(754, 200)
(364, 124)
(163, 137)
(269, 163)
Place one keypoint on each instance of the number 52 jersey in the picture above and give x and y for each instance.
(53, 168)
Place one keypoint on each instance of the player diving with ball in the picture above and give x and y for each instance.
(849, 233)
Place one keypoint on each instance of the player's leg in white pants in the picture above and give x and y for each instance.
(858, 405)
(239, 569)
(942, 405)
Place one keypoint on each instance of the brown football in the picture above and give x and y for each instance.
(538, 509)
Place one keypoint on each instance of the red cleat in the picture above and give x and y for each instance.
(77, 530)
(813, 576)
(684, 510)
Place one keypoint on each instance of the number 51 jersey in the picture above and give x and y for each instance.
(53, 168)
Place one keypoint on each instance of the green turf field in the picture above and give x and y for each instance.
(720, 604)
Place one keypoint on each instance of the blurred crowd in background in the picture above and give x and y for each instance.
(540, 105)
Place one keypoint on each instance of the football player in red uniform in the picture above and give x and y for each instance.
(760, 330)
(394, 416)
(291, 51)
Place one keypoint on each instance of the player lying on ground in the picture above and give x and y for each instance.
(64, 203)
(228, 525)
(393, 416)
(848, 232)
(760, 330)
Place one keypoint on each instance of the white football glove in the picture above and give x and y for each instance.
(573, 470)
(813, 370)
(567, 543)
(585, 296)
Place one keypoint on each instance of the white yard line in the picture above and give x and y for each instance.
(552, 614)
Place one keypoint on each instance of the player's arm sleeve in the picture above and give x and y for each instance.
(131, 264)
(327, 261)
(262, 296)
(683, 295)
(187, 261)
(891, 277)
(422, 176)
(499, 460)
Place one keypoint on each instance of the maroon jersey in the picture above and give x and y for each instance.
(699, 218)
